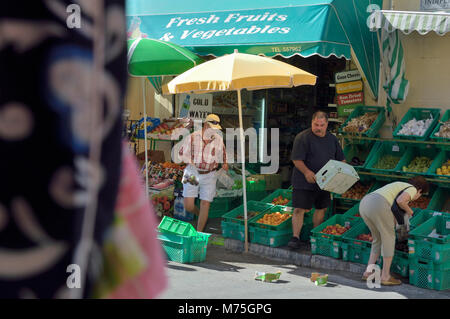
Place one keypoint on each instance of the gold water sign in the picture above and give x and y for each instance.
(348, 87)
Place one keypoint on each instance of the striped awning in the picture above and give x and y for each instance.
(408, 21)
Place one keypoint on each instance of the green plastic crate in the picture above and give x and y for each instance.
(440, 200)
(374, 128)
(256, 186)
(232, 215)
(287, 224)
(382, 149)
(233, 230)
(419, 217)
(269, 237)
(305, 233)
(221, 205)
(257, 196)
(400, 263)
(185, 249)
(175, 226)
(286, 193)
(445, 118)
(362, 151)
(355, 250)
(440, 159)
(424, 247)
(349, 202)
(327, 244)
(413, 152)
(352, 212)
(425, 274)
(418, 114)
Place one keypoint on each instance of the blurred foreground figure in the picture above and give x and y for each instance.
(62, 214)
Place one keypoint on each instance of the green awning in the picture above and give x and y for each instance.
(270, 28)
(408, 21)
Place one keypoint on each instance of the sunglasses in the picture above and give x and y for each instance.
(214, 122)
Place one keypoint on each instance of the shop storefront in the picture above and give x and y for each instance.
(321, 37)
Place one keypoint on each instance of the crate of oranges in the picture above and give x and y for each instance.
(277, 218)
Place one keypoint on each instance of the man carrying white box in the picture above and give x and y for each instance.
(312, 149)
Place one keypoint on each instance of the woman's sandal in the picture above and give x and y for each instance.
(391, 282)
(364, 277)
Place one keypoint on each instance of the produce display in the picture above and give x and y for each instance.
(357, 191)
(335, 230)
(419, 164)
(273, 219)
(163, 172)
(387, 162)
(365, 237)
(361, 123)
(170, 126)
(444, 169)
(414, 127)
(444, 130)
(249, 215)
(421, 203)
(280, 200)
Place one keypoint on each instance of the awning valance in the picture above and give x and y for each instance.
(282, 27)
(408, 21)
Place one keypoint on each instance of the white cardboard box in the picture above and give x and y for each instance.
(336, 177)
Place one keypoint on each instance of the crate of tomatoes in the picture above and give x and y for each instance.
(326, 238)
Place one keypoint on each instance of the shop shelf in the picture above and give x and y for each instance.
(374, 128)
(252, 206)
(286, 193)
(327, 244)
(425, 274)
(413, 152)
(175, 226)
(269, 237)
(445, 118)
(362, 151)
(185, 249)
(287, 224)
(383, 149)
(418, 114)
(440, 159)
(436, 250)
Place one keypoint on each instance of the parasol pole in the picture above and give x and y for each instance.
(145, 136)
(243, 168)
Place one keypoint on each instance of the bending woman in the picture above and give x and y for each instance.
(377, 212)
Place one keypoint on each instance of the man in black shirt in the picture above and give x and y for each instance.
(312, 149)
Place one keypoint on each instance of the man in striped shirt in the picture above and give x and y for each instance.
(204, 150)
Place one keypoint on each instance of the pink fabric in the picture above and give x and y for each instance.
(133, 205)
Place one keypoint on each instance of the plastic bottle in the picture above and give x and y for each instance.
(185, 107)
